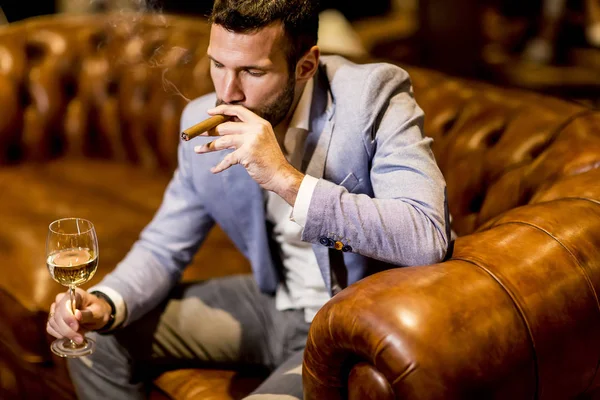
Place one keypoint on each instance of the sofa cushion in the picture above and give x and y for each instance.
(188, 384)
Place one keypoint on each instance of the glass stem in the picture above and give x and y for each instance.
(72, 343)
(72, 295)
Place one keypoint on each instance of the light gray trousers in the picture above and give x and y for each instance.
(220, 323)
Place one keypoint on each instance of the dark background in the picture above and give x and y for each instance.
(19, 9)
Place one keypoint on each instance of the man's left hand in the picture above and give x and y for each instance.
(256, 149)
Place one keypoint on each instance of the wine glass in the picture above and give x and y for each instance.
(72, 258)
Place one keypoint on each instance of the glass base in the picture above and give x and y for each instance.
(69, 349)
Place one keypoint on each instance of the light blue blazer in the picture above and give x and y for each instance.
(380, 193)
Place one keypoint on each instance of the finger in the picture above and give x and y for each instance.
(52, 332)
(51, 312)
(229, 160)
(66, 323)
(226, 128)
(63, 327)
(223, 143)
(72, 310)
(83, 317)
(63, 310)
(205, 148)
(241, 112)
(62, 330)
(66, 299)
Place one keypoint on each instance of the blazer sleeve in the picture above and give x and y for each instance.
(404, 222)
(167, 244)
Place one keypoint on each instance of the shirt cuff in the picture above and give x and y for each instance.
(117, 299)
(300, 209)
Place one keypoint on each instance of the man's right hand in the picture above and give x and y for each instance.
(91, 313)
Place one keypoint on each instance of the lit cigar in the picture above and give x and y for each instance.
(204, 126)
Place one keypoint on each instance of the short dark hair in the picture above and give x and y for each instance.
(300, 19)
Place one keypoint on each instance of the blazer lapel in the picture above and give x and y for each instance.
(315, 154)
(321, 126)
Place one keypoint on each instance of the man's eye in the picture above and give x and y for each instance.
(217, 65)
(255, 73)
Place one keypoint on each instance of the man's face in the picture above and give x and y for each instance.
(250, 69)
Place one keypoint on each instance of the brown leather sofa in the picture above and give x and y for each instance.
(89, 127)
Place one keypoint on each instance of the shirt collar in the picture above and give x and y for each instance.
(301, 117)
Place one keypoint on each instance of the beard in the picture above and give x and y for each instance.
(275, 111)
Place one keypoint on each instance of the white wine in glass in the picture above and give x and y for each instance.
(72, 259)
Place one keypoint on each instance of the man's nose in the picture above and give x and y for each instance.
(232, 91)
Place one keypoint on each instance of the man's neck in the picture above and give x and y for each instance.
(282, 128)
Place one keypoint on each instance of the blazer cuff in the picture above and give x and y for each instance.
(117, 299)
(305, 193)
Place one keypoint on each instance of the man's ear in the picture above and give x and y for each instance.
(307, 67)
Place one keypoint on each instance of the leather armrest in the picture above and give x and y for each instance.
(430, 331)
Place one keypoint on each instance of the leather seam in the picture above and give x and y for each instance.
(499, 216)
(409, 370)
(521, 315)
(587, 278)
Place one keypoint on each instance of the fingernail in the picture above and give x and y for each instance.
(73, 325)
(197, 149)
(78, 339)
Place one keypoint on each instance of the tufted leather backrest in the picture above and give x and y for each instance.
(500, 148)
(99, 86)
(107, 86)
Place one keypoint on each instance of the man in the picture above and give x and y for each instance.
(322, 177)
